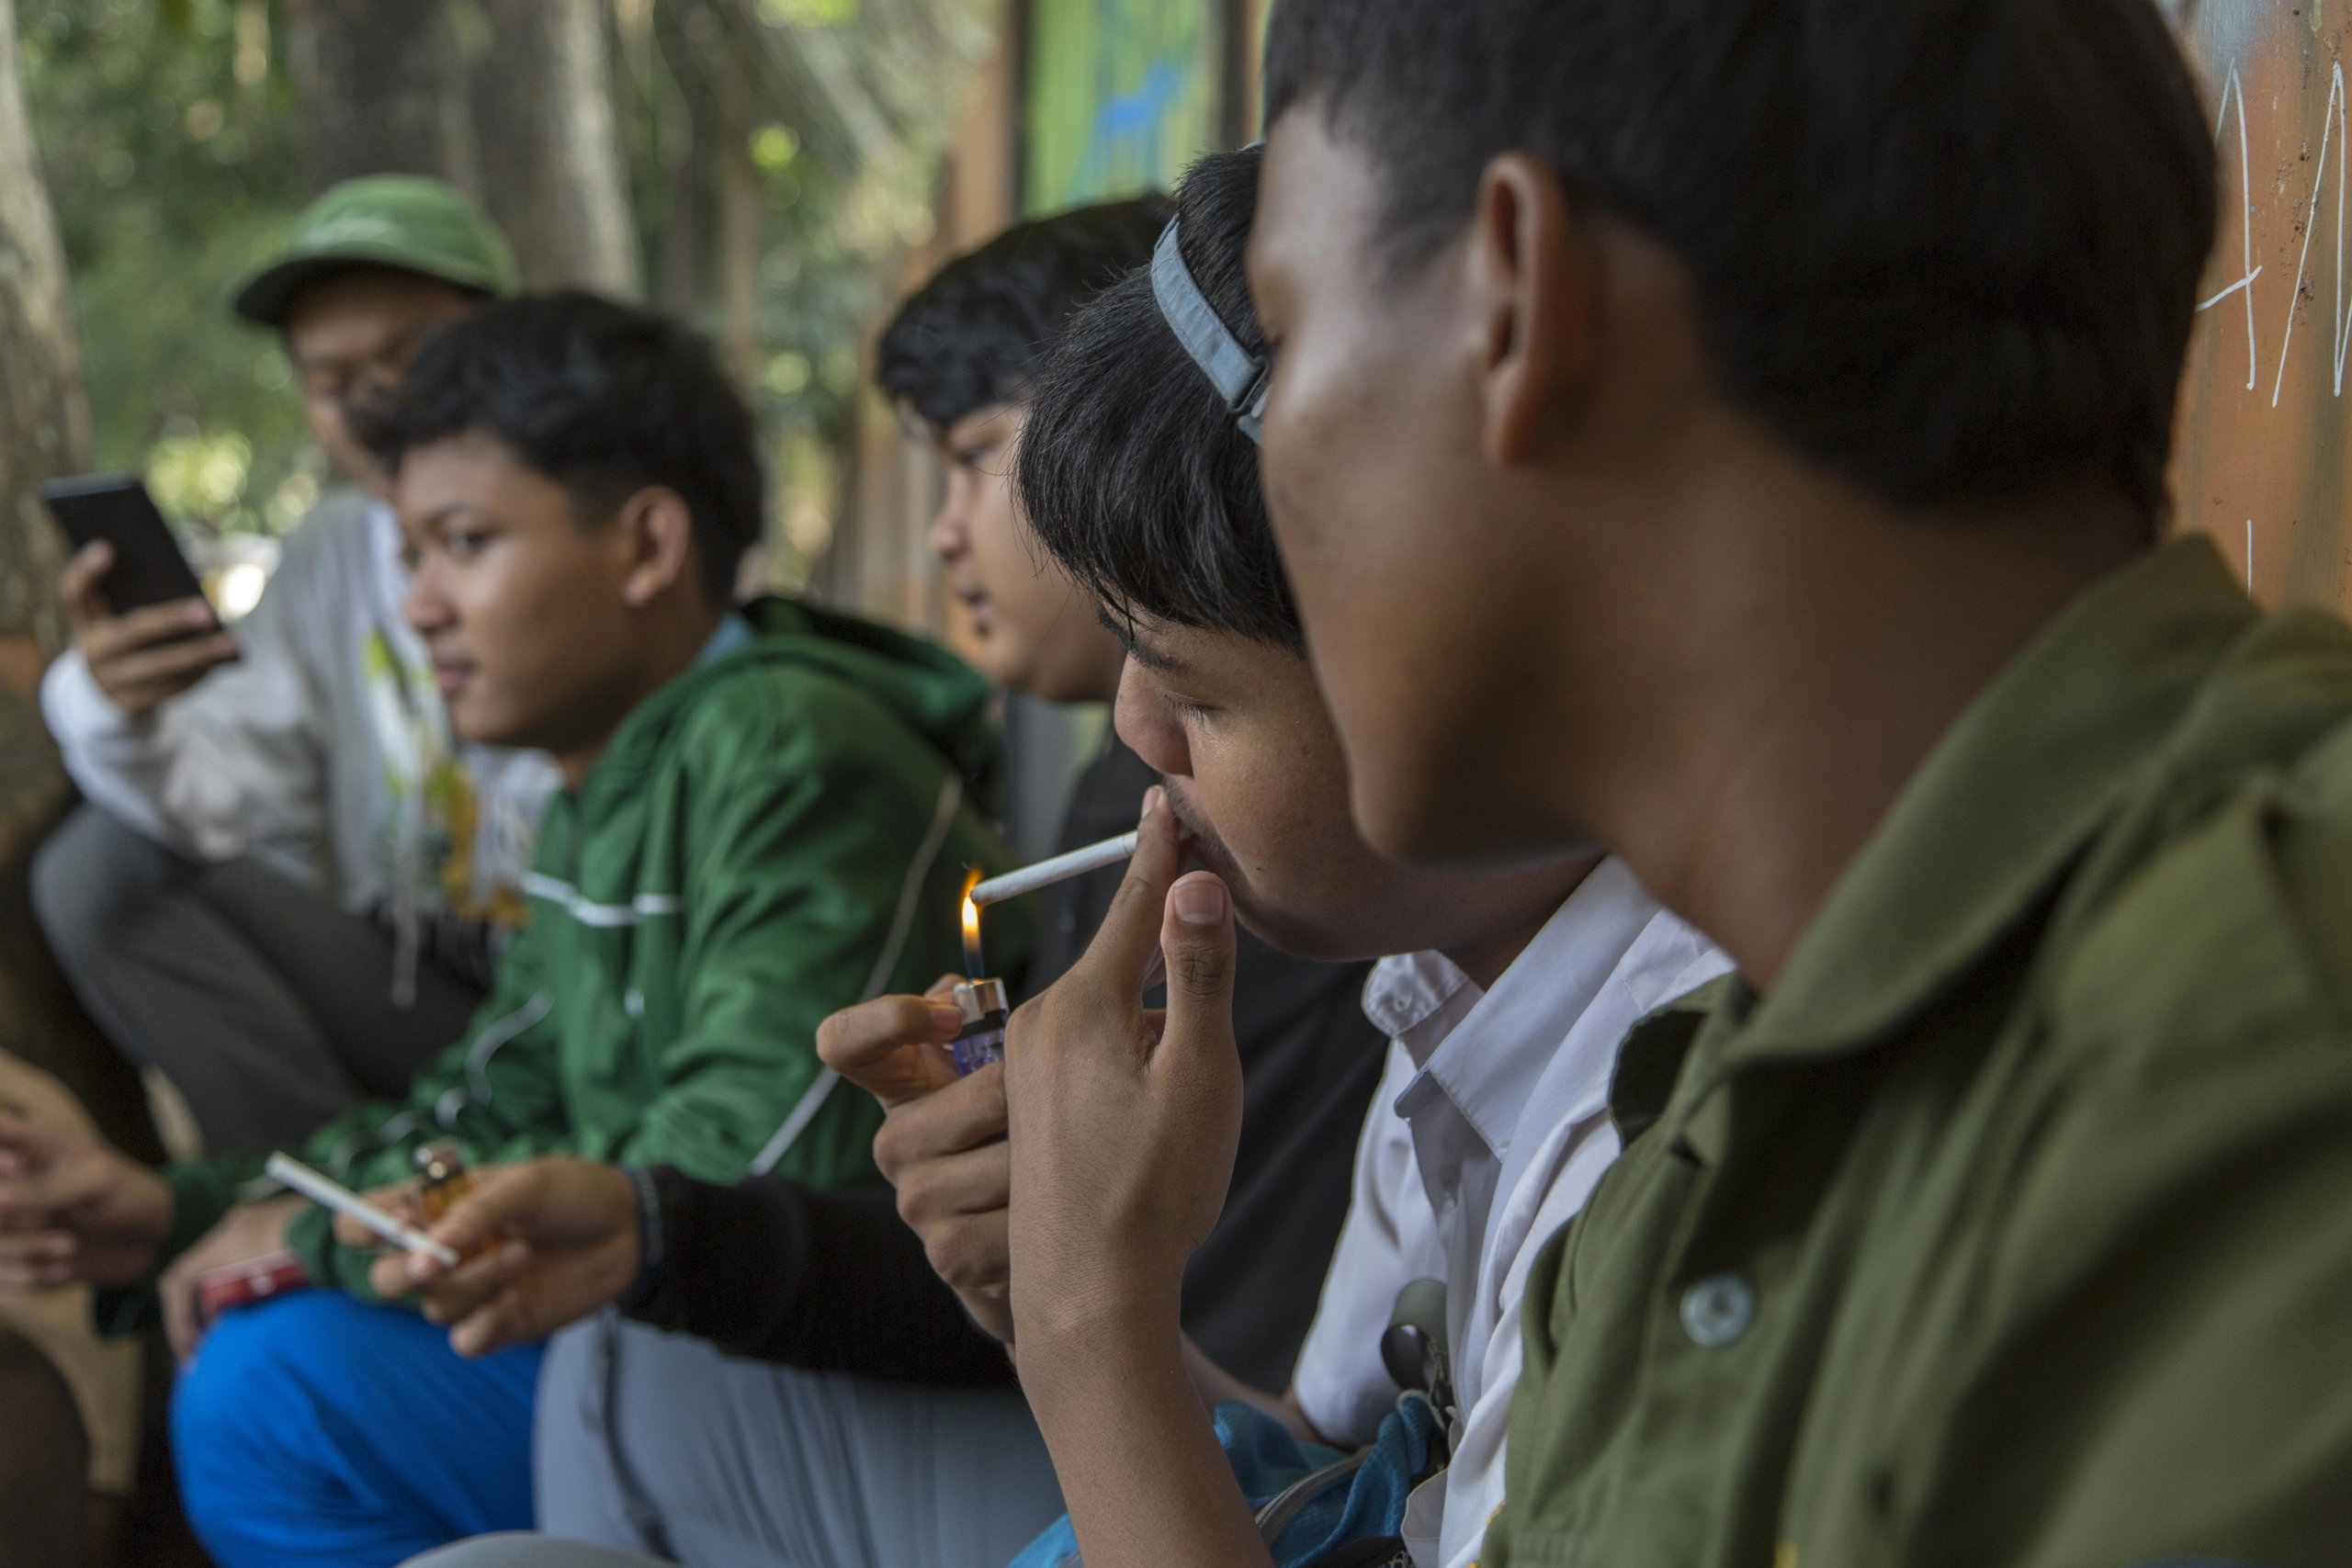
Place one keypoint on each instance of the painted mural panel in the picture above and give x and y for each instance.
(1122, 94)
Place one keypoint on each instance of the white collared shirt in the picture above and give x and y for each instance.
(1498, 1132)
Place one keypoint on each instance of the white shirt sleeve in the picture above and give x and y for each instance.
(1389, 1240)
(229, 767)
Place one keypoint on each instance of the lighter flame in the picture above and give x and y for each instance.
(971, 925)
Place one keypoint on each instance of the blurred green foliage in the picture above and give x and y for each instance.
(851, 108)
(168, 130)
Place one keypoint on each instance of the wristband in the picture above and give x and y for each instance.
(650, 1248)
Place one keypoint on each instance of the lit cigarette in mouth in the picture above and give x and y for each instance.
(1061, 868)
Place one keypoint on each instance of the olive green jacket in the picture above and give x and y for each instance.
(2014, 1228)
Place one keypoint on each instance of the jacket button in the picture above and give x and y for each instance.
(1717, 1310)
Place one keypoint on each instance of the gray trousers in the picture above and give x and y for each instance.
(656, 1446)
(268, 1006)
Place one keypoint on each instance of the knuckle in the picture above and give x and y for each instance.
(891, 1151)
(961, 1255)
(920, 1195)
(1202, 967)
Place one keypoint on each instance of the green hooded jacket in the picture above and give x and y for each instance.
(777, 834)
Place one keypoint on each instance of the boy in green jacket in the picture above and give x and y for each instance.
(768, 814)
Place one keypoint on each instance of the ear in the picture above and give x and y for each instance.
(1533, 279)
(657, 528)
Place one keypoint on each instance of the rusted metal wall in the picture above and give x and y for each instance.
(2261, 458)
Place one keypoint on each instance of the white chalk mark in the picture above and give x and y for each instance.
(2249, 557)
(2339, 324)
(2245, 282)
(2234, 89)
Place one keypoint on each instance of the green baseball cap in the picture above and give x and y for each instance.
(399, 221)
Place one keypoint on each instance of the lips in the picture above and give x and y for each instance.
(451, 678)
(1203, 848)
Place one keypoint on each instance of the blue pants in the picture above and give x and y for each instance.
(315, 1428)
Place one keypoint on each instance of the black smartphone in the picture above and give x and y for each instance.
(147, 567)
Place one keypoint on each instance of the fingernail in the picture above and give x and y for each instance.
(1199, 903)
(1153, 798)
(418, 1266)
(946, 1018)
(199, 614)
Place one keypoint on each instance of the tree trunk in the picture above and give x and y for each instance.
(739, 230)
(378, 86)
(549, 146)
(509, 100)
(44, 432)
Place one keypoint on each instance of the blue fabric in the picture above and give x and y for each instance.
(734, 632)
(1266, 1458)
(316, 1429)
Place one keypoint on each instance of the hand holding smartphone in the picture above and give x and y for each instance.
(138, 612)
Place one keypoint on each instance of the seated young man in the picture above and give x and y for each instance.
(1737, 433)
(730, 1460)
(766, 815)
(288, 887)
(1490, 1129)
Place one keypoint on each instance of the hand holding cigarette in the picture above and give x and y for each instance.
(544, 1243)
(332, 1194)
(1122, 1126)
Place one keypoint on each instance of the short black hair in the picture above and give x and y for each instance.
(978, 332)
(603, 398)
(1946, 248)
(1132, 471)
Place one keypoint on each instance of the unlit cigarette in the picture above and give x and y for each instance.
(1061, 868)
(343, 1201)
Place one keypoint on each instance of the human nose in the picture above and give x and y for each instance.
(426, 608)
(1144, 722)
(948, 537)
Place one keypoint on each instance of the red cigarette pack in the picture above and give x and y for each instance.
(255, 1280)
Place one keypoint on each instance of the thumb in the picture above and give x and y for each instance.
(1196, 936)
(502, 1198)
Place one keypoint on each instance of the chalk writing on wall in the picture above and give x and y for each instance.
(2261, 452)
